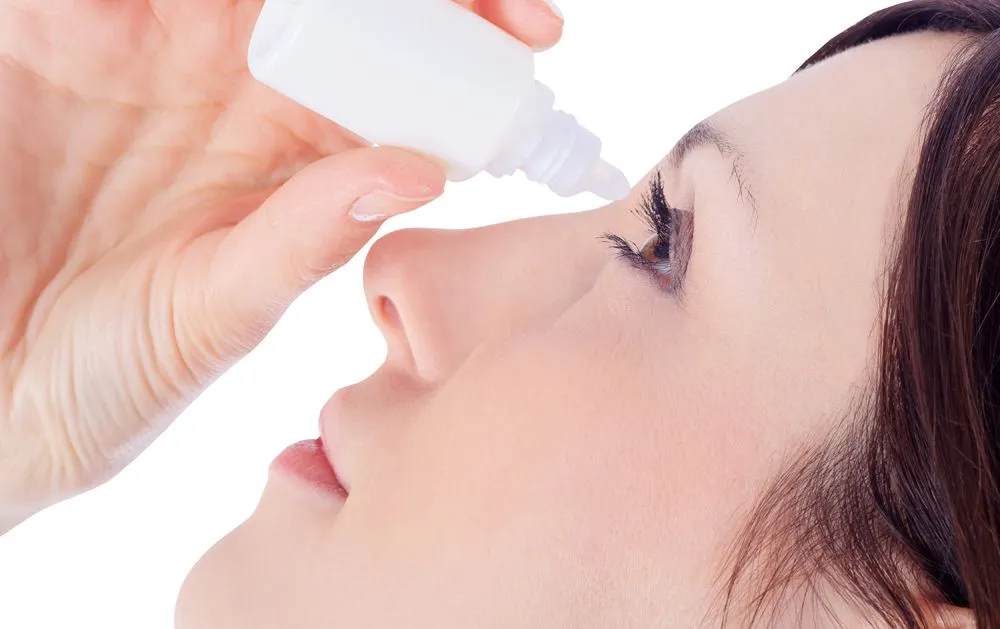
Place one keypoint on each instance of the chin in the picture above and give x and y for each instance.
(211, 594)
(267, 573)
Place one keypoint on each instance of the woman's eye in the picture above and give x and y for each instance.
(657, 255)
(655, 252)
(652, 256)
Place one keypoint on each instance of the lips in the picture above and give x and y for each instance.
(308, 462)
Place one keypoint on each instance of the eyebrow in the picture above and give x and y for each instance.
(705, 134)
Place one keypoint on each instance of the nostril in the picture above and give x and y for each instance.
(390, 322)
(388, 314)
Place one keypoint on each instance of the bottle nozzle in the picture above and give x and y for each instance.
(607, 182)
(553, 149)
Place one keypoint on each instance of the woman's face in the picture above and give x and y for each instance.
(560, 439)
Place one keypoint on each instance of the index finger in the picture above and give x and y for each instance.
(538, 23)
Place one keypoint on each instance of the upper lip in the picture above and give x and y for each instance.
(327, 434)
(346, 421)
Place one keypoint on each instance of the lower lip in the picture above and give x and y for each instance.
(307, 462)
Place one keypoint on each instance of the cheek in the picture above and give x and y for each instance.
(511, 486)
(565, 468)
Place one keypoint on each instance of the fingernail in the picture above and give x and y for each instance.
(380, 205)
(555, 8)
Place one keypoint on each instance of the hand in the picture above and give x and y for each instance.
(159, 210)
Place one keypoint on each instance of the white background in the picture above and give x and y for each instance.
(637, 72)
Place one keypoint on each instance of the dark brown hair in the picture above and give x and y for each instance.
(900, 509)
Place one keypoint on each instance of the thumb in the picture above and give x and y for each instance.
(306, 230)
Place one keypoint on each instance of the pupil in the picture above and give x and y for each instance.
(655, 249)
(661, 250)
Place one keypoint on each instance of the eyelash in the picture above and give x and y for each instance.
(659, 215)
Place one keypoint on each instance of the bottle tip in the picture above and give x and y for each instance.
(608, 182)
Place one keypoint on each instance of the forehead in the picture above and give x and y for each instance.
(849, 126)
(829, 154)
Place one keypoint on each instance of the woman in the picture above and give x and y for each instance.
(777, 410)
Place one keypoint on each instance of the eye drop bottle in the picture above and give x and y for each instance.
(433, 77)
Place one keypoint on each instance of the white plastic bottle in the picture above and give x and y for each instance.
(430, 76)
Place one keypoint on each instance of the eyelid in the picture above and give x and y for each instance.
(681, 229)
(682, 232)
(683, 243)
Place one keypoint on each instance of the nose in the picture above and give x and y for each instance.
(437, 295)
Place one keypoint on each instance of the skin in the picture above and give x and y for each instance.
(554, 440)
(146, 176)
